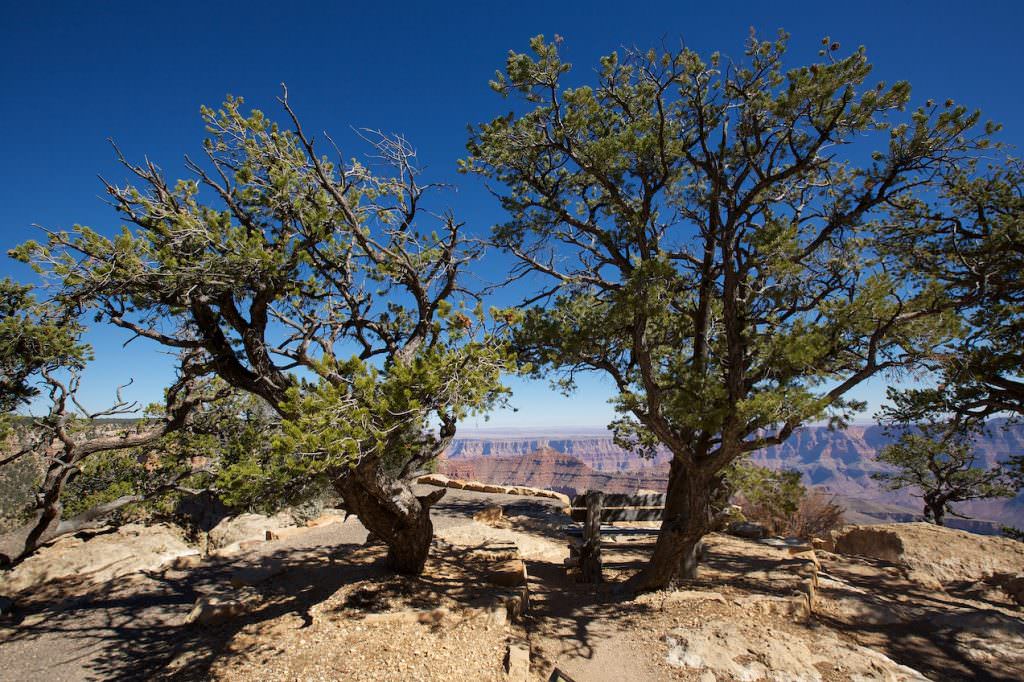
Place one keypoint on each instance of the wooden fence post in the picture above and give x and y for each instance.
(590, 551)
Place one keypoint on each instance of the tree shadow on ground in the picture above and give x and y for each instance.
(921, 627)
(930, 621)
(132, 628)
(577, 616)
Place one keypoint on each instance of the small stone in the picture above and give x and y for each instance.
(517, 660)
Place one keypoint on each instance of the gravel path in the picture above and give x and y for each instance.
(129, 629)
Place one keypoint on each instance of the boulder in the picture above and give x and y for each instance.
(246, 527)
(1012, 584)
(131, 548)
(747, 529)
(554, 495)
(874, 543)
(932, 555)
(509, 573)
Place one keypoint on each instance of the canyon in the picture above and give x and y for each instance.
(837, 462)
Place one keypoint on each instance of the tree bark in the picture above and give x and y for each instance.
(391, 511)
(934, 510)
(687, 518)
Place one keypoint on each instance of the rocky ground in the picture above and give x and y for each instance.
(900, 602)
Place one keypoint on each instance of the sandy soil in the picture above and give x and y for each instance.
(326, 609)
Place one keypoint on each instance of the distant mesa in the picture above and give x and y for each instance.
(839, 462)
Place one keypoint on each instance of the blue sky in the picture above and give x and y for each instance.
(76, 73)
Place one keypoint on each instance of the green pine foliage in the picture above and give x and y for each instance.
(935, 458)
(712, 243)
(970, 238)
(331, 291)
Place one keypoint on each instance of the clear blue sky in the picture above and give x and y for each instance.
(76, 73)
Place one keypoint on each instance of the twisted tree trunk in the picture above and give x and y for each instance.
(48, 522)
(393, 512)
(935, 509)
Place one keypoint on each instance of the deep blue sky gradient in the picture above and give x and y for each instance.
(76, 73)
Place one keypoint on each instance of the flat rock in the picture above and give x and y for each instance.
(434, 479)
(933, 555)
(742, 651)
(517, 660)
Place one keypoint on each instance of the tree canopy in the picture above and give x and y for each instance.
(970, 237)
(329, 288)
(936, 458)
(717, 239)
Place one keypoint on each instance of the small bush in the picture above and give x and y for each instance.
(779, 501)
(1013, 533)
(816, 515)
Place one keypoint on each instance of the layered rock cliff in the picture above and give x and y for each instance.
(840, 462)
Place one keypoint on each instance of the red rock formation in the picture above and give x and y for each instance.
(547, 468)
(840, 462)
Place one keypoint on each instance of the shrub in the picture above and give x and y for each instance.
(778, 500)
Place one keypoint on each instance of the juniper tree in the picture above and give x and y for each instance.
(30, 344)
(935, 457)
(970, 237)
(43, 356)
(710, 232)
(327, 288)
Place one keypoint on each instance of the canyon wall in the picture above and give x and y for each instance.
(838, 462)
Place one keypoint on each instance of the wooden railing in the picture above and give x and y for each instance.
(595, 508)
